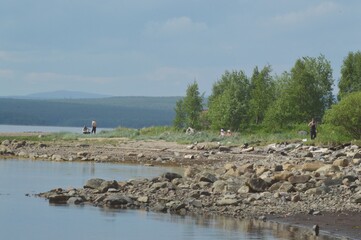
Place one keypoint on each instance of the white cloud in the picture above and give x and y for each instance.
(305, 15)
(175, 26)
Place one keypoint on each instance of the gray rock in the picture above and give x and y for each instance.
(207, 177)
(57, 157)
(286, 187)
(117, 200)
(75, 200)
(219, 186)
(299, 179)
(190, 172)
(143, 199)
(278, 168)
(170, 176)
(257, 184)
(351, 178)
(196, 203)
(307, 155)
(357, 197)
(357, 155)
(175, 205)
(82, 154)
(224, 149)
(159, 185)
(332, 182)
(227, 202)
(94, 183)
(58, 199)
(343, 162)
(105, 185)
(5, 151)
(5, 142)
(159, 207)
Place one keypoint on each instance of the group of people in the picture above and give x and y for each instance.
(312, 125)
(94, 128)
(224, 133)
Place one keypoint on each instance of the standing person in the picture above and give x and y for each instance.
(94, 127)
(313, 130)
(222, 132)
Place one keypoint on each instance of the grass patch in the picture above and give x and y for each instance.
(327, 135)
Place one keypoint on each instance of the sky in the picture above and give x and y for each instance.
(159, 47)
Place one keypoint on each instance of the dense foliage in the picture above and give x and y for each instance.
(264, 103)
(228, 104)
(262, 94)
(193, 106)
(304, 93)
(347, 114)
(350, 75)
(188, 109)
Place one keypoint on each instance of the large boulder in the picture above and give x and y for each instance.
(311, 166)
(207, 177)
(170, 176)
(282, 176)
(327, 169)
(105, 185)
(58, 199)
(219, 186)
(94, 183)
(299, 179)
(116, 200)
(342, 162)
(257, 184)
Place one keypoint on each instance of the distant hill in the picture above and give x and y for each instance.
(133, 112)
(61, 94)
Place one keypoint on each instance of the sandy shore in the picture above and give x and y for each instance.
(207, 155)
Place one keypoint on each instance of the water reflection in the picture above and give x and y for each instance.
(244, 228)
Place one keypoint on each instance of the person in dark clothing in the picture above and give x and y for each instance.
(313, 130)
(94, 127)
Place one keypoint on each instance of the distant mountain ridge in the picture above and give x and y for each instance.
(61, 94)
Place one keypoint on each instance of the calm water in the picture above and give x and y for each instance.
(23, 217)
(45, 129)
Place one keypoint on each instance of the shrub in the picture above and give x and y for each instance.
(347, 114)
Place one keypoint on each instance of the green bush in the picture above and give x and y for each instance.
(347, 115)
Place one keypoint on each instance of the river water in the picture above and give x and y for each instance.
(44, 129)
(23, 216)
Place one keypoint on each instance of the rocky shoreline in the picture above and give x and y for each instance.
(278, 181)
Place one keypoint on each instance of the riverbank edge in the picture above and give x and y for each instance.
(346, 228)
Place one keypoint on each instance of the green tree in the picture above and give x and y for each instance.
(261, 94)
(179, 120)
(189, 108)
(304, 93)
(350, 75)
(347, 114)
(228, 103)
(193, 106)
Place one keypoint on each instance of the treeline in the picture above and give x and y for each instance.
(132, 112)
(275, 102)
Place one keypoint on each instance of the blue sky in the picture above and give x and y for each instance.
(158, 47)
